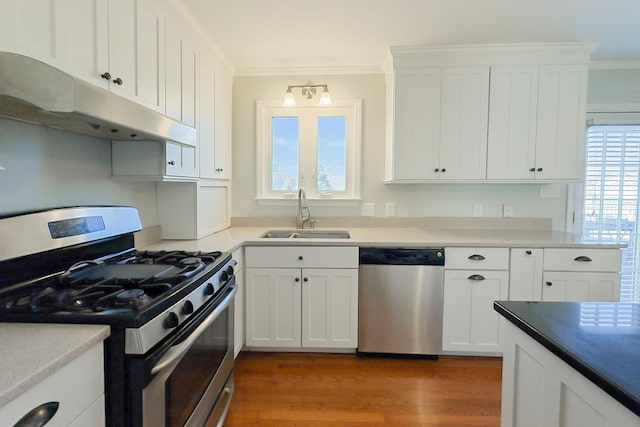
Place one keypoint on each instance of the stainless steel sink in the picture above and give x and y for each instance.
(306, 234)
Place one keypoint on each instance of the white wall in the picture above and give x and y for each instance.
(48, 168)
(411, 200)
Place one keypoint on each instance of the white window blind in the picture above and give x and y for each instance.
(611, 202)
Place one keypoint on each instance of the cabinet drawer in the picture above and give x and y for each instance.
(582, 260)
(75, 386)
(302, 256)
(476, 258)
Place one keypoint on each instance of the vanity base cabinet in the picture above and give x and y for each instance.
(540, 390)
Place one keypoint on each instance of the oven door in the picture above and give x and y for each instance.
(189, 377)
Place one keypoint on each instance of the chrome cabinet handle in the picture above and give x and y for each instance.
(477, 257)
(39, 416)
(476, 277)
(582, 258)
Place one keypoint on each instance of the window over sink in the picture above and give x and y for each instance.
(315, 147)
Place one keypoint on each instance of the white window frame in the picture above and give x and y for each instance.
(267, 110)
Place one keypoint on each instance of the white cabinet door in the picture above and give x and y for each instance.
(83, 39)
(513, 103)
(180, 74)
(273, 307)
(330, 308)
(222, 128)
(207, 119)
(560, 127)
(463, 133)
(469, 322)
(136, 51)
(29, 28)
(416, 134)
(525, 274)
(573, 286)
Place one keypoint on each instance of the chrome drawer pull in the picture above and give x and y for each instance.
(477, 257)
(582, 258)
(476, 277)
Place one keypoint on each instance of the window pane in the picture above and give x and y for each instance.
(284, 161)
(332, 157)
(611, 202)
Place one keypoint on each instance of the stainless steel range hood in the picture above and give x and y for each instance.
(35, 92)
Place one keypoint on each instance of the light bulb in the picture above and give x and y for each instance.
(325, 98)
(289, 100)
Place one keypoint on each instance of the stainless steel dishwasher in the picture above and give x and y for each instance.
(400, 300)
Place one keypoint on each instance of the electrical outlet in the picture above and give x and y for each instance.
(551, 191)
(390, 209)
(477, 209)
(507, 210)
(368, 209)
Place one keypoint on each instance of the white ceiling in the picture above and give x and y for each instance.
(281, 34)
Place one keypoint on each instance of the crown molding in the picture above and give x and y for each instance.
(615, 65)
(307, 71)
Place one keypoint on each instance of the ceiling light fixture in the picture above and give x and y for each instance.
(308, 91)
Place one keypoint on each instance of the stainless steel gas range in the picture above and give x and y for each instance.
(169, 358)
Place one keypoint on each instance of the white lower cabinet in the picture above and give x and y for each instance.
(300, 301)
(540, 390)
(581, 275)
(77, 388)
(525, 274)
(474, 278)
(574, 286)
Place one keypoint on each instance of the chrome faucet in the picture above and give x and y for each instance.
(303, 206)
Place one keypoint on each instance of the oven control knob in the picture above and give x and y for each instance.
(209, 289)
(187, 308)
(230, 270)
(224, 276)
(171, 321)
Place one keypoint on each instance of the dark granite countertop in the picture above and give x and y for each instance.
(601, 340)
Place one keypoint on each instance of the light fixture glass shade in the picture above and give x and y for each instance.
(289, 100)
(325, 98)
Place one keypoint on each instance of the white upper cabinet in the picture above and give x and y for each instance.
(512, 123)
(136, 51)
(416, 121)
(181, 64)
(562, 96)
(114, 44)
(214, 122)
(536, 122)
(501, 113)
(463, 133)
(439, 114)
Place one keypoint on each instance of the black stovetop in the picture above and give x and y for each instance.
(126, 289)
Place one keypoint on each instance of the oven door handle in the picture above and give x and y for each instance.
(176, 352)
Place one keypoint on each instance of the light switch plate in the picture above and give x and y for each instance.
(477, 209)
(368, 209)
(507, 210)
(390, 209)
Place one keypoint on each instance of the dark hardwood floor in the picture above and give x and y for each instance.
(302, 389)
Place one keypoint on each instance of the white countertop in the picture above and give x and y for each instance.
(31, 352)
(235, 237)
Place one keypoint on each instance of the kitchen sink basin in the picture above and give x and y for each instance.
(305, 234)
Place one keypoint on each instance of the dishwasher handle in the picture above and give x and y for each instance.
(402, 256)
